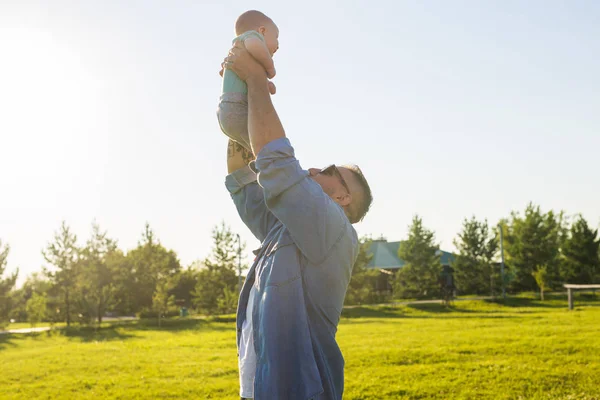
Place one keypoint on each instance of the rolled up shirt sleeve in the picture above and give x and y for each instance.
(249, 201)
(314, 220)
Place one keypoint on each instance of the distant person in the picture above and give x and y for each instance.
(292, 299)
(259, 34)
(446, 280)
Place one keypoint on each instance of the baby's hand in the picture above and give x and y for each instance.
(271, 73)
(272, 88)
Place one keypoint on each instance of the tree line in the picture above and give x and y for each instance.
(542, 250)
(84, 282)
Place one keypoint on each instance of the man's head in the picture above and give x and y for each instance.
(256, 21)
(347, 186)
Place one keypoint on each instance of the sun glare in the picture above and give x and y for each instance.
(45, 93)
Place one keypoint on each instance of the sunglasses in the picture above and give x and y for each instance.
(333, 170)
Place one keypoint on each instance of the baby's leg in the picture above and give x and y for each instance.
(233, 117)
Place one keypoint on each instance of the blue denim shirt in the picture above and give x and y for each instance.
(302, 271)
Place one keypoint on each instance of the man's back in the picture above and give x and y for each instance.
(295, 316)
(301, 275)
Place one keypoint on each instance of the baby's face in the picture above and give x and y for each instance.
(271, 34)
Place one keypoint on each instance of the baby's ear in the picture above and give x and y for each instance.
(262, 30)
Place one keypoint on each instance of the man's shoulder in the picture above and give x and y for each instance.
(353, 237)
(347, 242)
(348, 245)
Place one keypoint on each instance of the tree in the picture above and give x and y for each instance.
(150, 263)
(419, 276)
(227, 303)
(541, 279)
(6, 286)
(363, 287)
(474, 269)
(183, 289)
(34, 283)
(531, 240)
(161, 300)
(125, 283)
(96, 284)
(63, 255)
(581, 254)
(219, 272)
(36, 308)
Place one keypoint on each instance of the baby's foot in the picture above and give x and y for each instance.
(272, 88)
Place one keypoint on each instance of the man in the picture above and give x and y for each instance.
(291, 302)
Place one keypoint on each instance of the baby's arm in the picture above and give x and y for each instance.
(259, 51)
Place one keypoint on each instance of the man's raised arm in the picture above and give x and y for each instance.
(314, 220)
(264, 125)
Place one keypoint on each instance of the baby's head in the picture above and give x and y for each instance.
(256, 21)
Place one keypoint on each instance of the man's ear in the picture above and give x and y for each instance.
(345, 199)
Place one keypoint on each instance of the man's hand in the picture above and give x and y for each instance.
(272, 88)
(243, 64)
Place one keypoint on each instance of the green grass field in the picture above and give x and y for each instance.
(524, 349)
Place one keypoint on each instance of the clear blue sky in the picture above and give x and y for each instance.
(107, 112)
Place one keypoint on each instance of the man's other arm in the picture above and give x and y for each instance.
(237, 156)
(246, 194)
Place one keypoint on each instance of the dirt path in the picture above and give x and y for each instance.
(26, 330)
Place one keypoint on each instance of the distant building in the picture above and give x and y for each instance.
(385, 259)
(385, 256)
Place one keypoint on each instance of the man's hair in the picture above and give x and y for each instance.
(363, 207)
(250, 20)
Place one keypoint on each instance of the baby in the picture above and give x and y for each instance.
(260, 37)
